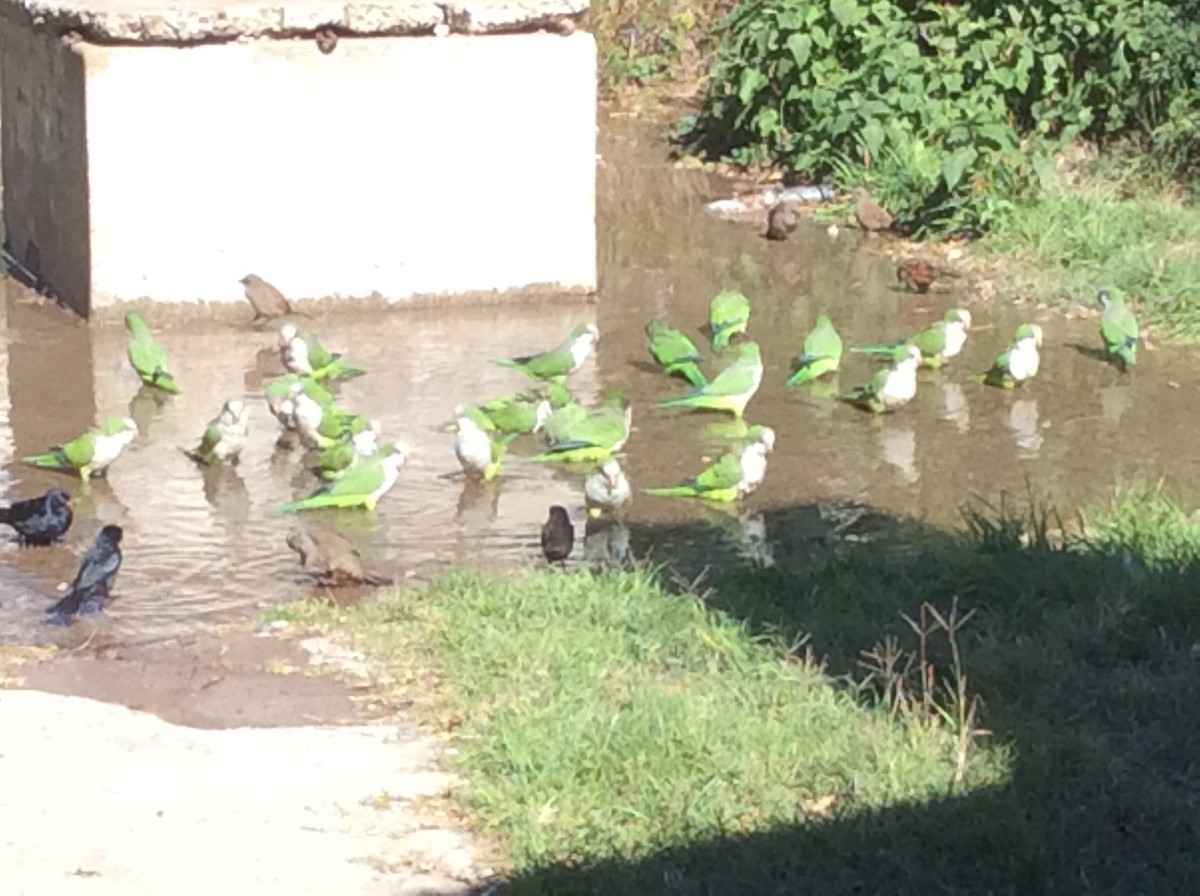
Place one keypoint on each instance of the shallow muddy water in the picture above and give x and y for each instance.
(201, 549)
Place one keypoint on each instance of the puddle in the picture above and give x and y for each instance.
(200, 548)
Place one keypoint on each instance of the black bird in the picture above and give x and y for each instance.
(40, 521)
(558, 536)
(90, 590)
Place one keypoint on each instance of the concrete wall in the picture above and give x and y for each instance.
(393, 165)
(43, 160)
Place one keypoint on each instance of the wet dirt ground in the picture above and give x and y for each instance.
(201, 549)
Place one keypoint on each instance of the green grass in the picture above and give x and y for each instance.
(1066, 245)
(622, 736)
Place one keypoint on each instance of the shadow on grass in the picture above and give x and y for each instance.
(1083, 651)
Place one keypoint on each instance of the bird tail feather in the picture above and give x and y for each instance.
(164, 381)
(49, 460)
(315, 501)
(877, 348)
(339, 369)
(690, 372)
(672, 491)
(516, 363)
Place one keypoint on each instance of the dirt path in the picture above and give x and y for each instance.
(237, 770)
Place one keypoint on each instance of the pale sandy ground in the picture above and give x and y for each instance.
(96, 798)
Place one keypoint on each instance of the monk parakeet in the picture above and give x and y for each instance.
(892, 387)
(302, 414)
(302, 353)
(1118, 328)
(560, 422)
(728, 315)
(822, 353)
(608, 488)
(592, 437)
(559, 362)
(361, 486)
(147, 356)
(225, 437)
(733, 475)
(333, 460)
(280, 388)
(517, 413)
(674, 351)
(89, 454)
(477, 450)
(731, 389)
(319, 426)
(1017, 363)
(939, 342)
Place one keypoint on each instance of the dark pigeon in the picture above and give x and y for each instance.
(40, 521)
(97, 572)
(558, 536)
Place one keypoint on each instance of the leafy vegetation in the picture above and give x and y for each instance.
(644, 42)
(950, 110)
(624, 734)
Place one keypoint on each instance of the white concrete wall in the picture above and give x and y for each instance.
(394, 165)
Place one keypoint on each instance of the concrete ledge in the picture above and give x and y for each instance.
(387, 167)
(205, 21)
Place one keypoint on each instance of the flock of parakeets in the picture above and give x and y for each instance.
(357, 468)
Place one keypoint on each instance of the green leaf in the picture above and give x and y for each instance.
(801, 47)
(873, 136)
(750, 83)
(847, 12)
(955, 165)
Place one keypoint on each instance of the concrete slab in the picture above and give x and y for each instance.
(188, 21)
(382, 166)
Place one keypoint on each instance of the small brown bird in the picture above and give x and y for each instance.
(916, 274)
(331, 558)
(871, 217)
(326, 40)
(558, 536)
(267, 301)
(781, 221)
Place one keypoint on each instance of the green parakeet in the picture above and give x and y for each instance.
(334, 459)
(592, 437)
(728, 315)
(890, 388)
(478, 451)
(939, 342)
(559, 362)
(1017, 363)
(1118, 328)
(91, 453)
(280, 388)
(607, 489)
(733, 475)
(301, 353)
(147, 356)
(517, 413)
(822, 353)
(674, 351)
(731, 389)
(225, 437)
(362, 485)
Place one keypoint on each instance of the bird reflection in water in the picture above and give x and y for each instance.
(1023, 421)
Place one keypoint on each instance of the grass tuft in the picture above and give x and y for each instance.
(1067, 245)
(819, 724)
